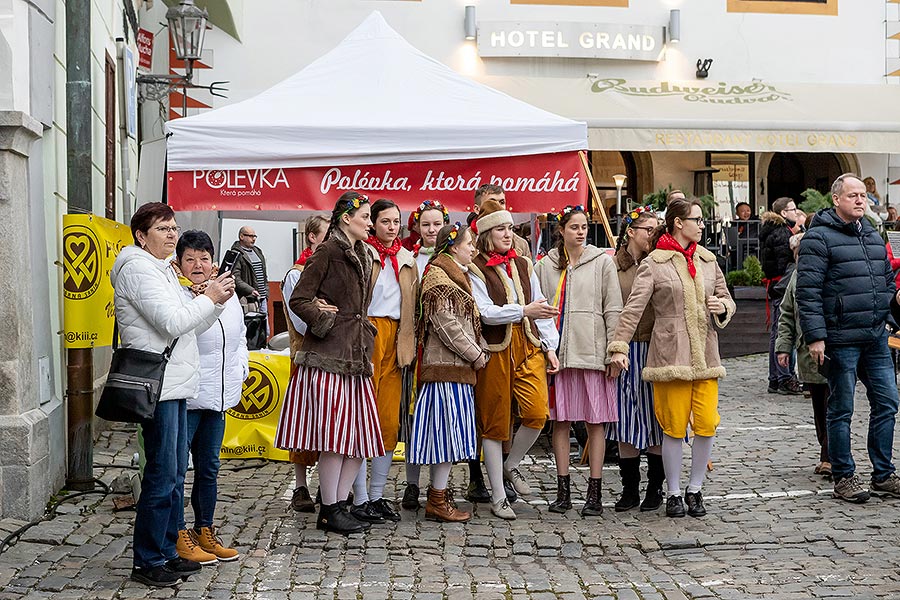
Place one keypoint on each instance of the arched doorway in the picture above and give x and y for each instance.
(791, 173)
(634, 165)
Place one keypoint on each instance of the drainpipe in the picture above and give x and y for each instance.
(79, 361)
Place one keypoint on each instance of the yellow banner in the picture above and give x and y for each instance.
(90, 246)
(250, 426)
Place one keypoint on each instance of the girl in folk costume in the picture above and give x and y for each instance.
(392, 312)
(637, 428)
(589, 300)
(684, 287)
(517, 324)
(443, 429)
(330, 407)
(427, 219)
(314, 231)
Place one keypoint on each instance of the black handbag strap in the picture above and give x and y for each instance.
(115, 341)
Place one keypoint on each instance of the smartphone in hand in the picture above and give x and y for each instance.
(825, 367)
(228, 261)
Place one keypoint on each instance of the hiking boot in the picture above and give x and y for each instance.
(211, 543)
(366, 513)
(888, 487)
(773, 388)
(791, 387)
(630, 471)
(439, 509)
(385, 509)
(160, 576)
(301, 501)
(515, 477)
(503, 510)
(563, 500)
(694, 501)
(850, 489)
(675, 507)
(592, 501)
(410, 499)
(188, 548)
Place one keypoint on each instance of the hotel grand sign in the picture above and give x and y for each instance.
(570, 40)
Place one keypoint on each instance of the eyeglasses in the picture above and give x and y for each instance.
(697, 220)
(647, 229)
(167, 229)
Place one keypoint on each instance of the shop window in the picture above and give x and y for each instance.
(604, 165)
(612, 3)
(733, 182)
(785, 7)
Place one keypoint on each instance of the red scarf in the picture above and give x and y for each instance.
(304, 256)
(383, 251)
(667, 242)
(497, 259)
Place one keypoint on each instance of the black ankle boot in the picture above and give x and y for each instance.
(477, 492)
(563, 495)
(656, 475)
(333, 517)
(592, 504)
(630, 470)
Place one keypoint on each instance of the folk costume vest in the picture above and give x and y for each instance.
(499, 336)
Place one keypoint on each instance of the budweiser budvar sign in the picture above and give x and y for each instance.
(535, 183)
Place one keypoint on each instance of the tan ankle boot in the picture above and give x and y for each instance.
(438, 509)
(187, 548)
(211, 543)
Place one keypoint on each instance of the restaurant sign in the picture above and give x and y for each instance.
(571, 40)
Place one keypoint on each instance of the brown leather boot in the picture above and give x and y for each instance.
(438, 509)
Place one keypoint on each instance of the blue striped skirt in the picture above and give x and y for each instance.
(637, 422)
(443, 427)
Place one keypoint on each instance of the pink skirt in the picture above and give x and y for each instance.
(326, 412)
(585, 395)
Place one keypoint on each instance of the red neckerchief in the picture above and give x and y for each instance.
(304, 256)
(383, 251)
(667, 242)
(497, 259)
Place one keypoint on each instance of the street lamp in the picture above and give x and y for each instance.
(620, 181)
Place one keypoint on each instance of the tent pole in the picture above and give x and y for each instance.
(596, 196)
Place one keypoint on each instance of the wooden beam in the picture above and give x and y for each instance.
(596, 196)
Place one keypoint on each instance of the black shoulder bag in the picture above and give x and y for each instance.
(134, 383)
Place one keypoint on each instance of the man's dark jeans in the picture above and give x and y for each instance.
(872, 363)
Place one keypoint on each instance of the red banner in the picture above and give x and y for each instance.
(538, 183)
(145, 50)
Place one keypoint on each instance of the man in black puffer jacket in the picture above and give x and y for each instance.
(845, 289)
(776, 255)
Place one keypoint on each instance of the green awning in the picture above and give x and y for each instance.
(224, 14)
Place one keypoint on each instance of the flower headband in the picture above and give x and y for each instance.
(451, 239)
(355, 203)
(637, 212)
(569, 209)
(431, 205)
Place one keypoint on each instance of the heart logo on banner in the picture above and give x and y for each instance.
(81, 258)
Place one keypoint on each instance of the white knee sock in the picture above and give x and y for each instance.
(522, 442)
(440, 475)
(329, 476)
(701, 452)
(381, 466)
(493, 464)
(350, 468)
(671, 455)
(360, 490)
(412, 473)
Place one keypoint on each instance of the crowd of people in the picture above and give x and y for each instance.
(455, 342)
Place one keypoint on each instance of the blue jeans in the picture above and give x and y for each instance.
(205, 430)
(162, 486)
(872, 363)
(777, 373)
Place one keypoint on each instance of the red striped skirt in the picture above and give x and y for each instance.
(327, 412)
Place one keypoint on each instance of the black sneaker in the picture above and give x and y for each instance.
(675, 507)
(694, 501)
(478, 493)
(160, 576)
(366, 513)
(301, 501)
(411, 497)
(385, 509)
(183, 567)
(773, 388)
(791, 387)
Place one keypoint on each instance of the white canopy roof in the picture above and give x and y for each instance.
(373, 99)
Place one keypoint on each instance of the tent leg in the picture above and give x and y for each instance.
(596, 196)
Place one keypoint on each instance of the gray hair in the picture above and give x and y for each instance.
(837, 188)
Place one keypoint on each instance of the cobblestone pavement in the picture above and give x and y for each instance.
(773, 531)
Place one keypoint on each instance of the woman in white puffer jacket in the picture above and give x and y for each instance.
(153, 312)
(224, 365)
